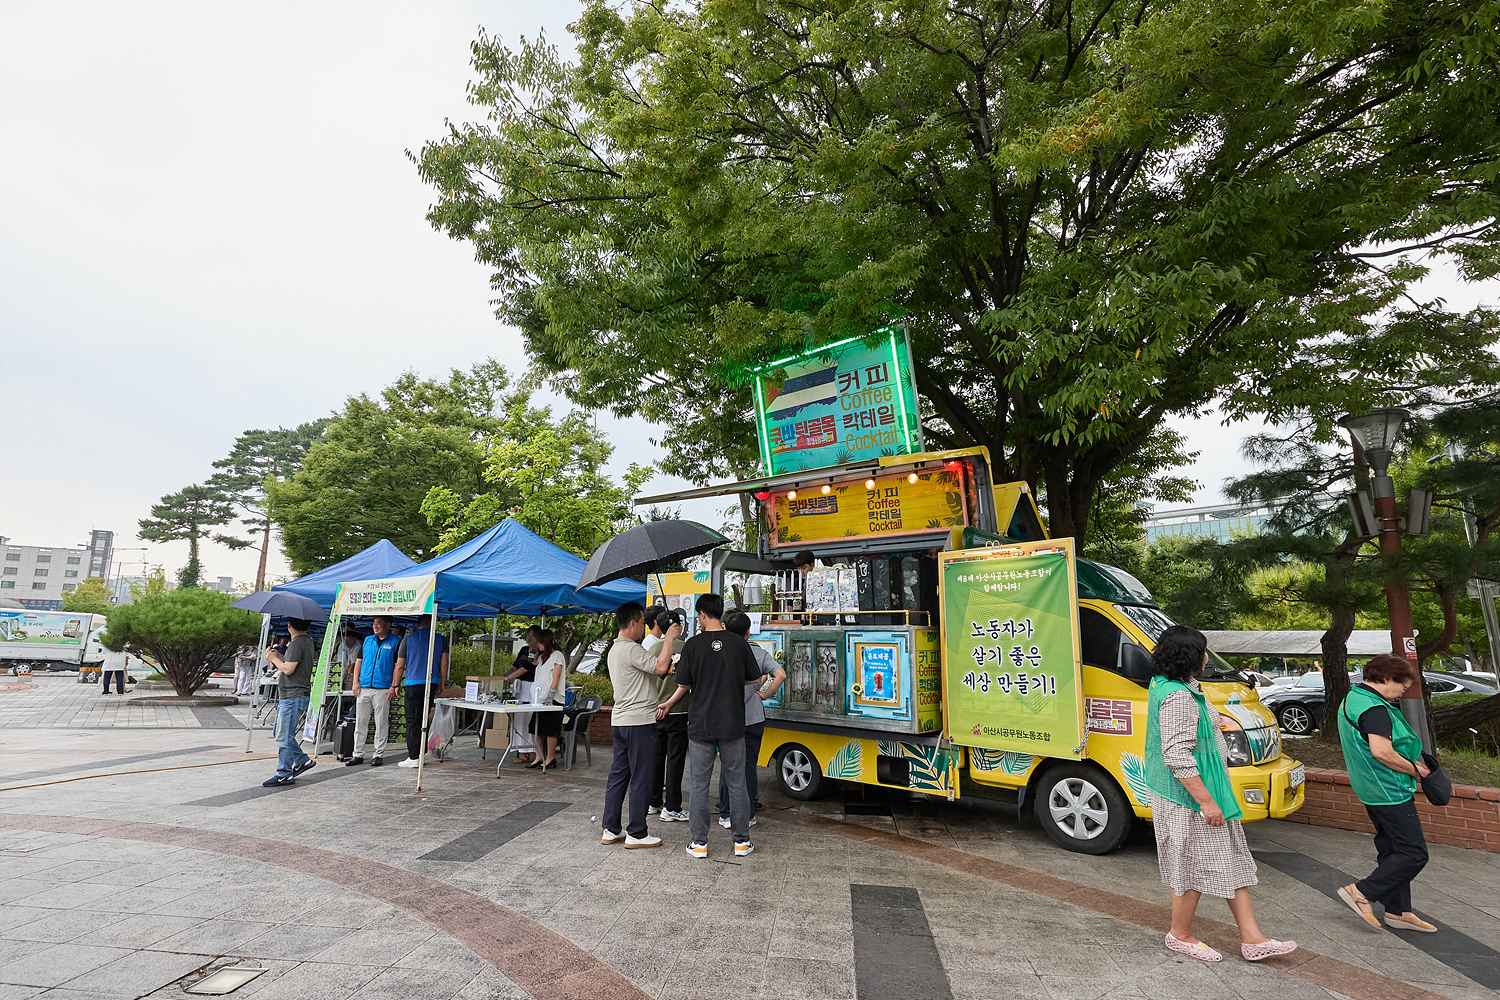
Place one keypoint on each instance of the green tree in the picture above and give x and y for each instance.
(551, 475)
(366, 477)
(92, 596)
(189, 633)
(1090, 216)
(258, 456)
(188, 515)
(155, 584)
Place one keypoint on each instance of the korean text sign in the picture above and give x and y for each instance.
(1011, 675)
(891, 506)
(402, 595)
(844, 402)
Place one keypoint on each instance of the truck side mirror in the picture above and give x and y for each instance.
(1136, 663)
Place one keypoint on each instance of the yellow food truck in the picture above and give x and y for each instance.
(893, 681)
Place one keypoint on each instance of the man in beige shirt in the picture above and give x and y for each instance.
(636, 677)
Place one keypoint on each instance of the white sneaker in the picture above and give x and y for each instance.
(725, 822)
(668, 816)
(408, 762)
(635, 843)
(697, 851)
(610, 838)
(652, 810)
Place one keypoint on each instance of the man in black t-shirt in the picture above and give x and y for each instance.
(715, 666)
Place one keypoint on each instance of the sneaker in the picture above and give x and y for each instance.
(725, 822)
(610, 838)
(698, 851)
(743, 848)
(408, 762)
(668, 816)
(304, 767)
(376, 762)
(636, 843)
(652, 810)
(355, 761)
(277, 781)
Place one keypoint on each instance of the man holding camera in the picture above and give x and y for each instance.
(671, 732)
(635, 676)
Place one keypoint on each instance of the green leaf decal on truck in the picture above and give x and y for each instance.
(847, 762)
(1134, 770)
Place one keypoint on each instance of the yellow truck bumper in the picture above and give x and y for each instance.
(1269, 791)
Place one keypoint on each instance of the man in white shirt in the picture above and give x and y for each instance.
(635, 675)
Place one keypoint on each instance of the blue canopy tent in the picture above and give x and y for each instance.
(511, 570)
(379, 560)
(507, 570)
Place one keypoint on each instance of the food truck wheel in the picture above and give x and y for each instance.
(1082, 809)
(800, 775)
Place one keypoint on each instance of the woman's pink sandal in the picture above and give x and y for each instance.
(1268, 948)
(1198, 950)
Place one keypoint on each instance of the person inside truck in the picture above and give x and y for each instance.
(1200, 842)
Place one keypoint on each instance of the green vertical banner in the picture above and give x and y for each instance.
(321, 674)
(1011, 662)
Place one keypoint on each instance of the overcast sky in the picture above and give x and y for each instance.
(210, 224)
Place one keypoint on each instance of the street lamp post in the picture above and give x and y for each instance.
(1375, 433)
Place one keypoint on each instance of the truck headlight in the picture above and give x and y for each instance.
(1239, 748)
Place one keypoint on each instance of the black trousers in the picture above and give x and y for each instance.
(632, 767)
(1400, 852)
(753, 735)
(119, 676)
(413, 694)
(671, 758)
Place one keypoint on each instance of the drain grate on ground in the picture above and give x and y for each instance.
(220, 978)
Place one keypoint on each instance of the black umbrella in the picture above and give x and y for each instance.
(645, 547)
(283, 604)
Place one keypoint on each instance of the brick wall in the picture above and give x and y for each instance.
(599, 734)
(1471, 819)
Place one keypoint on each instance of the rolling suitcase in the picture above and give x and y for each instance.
(345, 739)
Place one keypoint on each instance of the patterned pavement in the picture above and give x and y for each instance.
(118, 878)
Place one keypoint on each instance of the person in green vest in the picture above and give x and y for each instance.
(1384, 759)
(1200, 842)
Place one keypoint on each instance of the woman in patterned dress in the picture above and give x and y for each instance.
(1200, 842)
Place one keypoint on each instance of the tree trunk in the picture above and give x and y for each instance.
(1335, 641)
(1452, 726)
(265, 548)
(1448, 601)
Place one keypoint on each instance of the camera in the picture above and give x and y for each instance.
(667, 617)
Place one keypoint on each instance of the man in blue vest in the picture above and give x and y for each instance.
(411, 675)
(373, 673)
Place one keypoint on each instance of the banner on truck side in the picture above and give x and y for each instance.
(843, 402)
(1011, 674)
(401, 595)
(56, 629)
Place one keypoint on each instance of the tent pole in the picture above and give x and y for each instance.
(494, 627)
(427, 694)
(265, 626)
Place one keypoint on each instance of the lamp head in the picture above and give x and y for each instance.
(1376, 433)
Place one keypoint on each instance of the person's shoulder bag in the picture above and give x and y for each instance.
(1437, 786)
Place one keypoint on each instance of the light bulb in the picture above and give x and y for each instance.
(869, 484)
(911, 477)
(827, 489)
(791, 494)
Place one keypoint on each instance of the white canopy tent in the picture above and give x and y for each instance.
(1295, 642)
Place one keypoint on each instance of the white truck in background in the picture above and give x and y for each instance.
(50, 640)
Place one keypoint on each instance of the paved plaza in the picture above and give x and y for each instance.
(135, 860)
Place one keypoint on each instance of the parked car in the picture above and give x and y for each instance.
(1298, 706)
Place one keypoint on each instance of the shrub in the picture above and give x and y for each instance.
(188, 633)
(595, 685)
